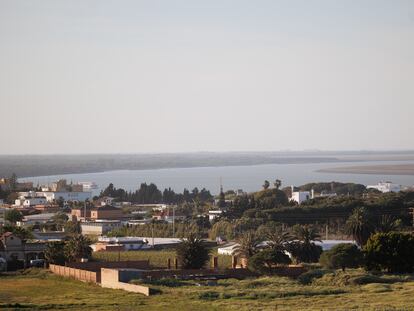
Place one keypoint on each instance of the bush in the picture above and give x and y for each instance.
(305, 252)
(368, 279)
(191, 253)
(393, 252)
(264, 261)
(342, 256)
(308, 277)
(209, 295)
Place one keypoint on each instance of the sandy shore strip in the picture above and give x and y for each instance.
(396, 169)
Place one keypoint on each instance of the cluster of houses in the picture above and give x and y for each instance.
(101, 216)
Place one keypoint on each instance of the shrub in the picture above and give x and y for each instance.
(308, 277)
(191, 253)
(368, 279)
(342, 256)
(264, 261)
(393, 252)
(305, 252)
(209, 295)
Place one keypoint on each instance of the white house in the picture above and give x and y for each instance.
(300, 196)
(385, 187)
(213, 214)
(56, 195)
(30, 201)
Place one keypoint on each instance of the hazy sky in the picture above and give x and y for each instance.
(168, 76)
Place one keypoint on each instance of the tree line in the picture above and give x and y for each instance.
(150, 194)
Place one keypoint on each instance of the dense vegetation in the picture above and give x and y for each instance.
(149, 194)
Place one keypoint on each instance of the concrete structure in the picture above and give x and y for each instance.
(168, 215)
(88, 185)
(105, 201)
(67, 196)
(106, 212)
(126, 243)
(139, 243)
(213, 214)
(12, 248)
(119, 278)
(30, 201)
(53, 196)
(138, 222)
(300, 196)
(78, 214)
(36, 219)
(228, 249)
(385, 187)
(99, 227)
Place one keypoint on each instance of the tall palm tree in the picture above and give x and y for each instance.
(277, 183)
(191, 252)
(277, 239)
(303, 248)
(387, 223)
(306, 234)
(77, 247)
(359, 225)
(247, 245)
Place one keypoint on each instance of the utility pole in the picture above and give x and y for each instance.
(152, 231)
(412, 213)
(173, 221)
(84, 211)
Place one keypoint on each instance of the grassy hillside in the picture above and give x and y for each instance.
(340, 291)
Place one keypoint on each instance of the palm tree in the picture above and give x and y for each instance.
(77, 247)
(54, 253)
(306, 234)
(359, 225)
(266, 185)
(277, 239)
(192, 253)
(387, 223)
(304, 249)
(277, 183)
(247, 245)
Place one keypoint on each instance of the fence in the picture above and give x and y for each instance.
(78, 274)
(96, 266)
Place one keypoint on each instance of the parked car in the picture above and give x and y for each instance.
(39, 263)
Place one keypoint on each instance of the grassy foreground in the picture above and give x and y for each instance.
(39, 290)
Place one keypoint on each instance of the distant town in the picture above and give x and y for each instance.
(63, 227)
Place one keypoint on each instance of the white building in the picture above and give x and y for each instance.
(300, 196)
(56, 195)
(68, 196)
(99, 227)
(385, 187)
(30, 201)
(36, 219)
(213, 214)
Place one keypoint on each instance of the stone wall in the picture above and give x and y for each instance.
(110, 278)
(78, 274)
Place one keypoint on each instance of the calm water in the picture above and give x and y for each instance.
(248, 178)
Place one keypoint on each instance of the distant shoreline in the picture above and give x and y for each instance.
(396, 169)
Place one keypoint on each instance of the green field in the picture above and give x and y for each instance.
(156, 258)
(39, 290)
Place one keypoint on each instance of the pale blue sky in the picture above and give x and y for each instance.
(168, 76)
